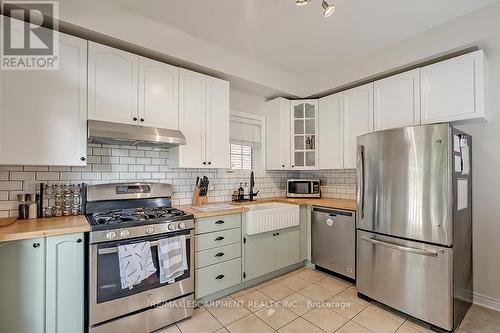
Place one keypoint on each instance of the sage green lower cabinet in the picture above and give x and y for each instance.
(217, 254)
(270, 251)
(42, 285)
(287, 247)
(65, 284)
(22, 286)
(259, 256)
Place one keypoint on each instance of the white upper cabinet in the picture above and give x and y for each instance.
(43, 113)
(454, 89)
(358, 120)
(278, 134)
(129, 89)
(158, 94)
(304, 128)
(397, 101)
(330, 130)
(113, 84)
(204, 121)
(217, 120)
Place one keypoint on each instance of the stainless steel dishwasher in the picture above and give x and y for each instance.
(333, 233)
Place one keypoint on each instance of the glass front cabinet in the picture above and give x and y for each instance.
(304, 129)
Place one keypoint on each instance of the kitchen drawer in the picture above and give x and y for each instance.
(217, 255)
(217, 277)
(217, 223)
(216, 239)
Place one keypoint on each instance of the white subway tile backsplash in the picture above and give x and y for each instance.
(112, 163)
(22, 175)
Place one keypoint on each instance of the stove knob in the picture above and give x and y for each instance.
(111, 235)
(182, 225)
(150, 230)
(124, 233)
(172, 226)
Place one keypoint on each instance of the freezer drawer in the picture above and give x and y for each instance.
(412, 277)
(333, 234)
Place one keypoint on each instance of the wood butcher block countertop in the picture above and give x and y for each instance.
(240, 207)
(55, 226)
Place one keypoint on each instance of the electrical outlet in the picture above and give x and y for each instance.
(30, 186)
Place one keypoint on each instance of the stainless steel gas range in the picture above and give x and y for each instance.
(128, 213)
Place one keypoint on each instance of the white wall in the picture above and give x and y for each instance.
(242, 101)
(480, 28)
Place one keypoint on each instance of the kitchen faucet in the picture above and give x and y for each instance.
(252, 185)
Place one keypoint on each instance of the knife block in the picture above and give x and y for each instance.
(197, 200)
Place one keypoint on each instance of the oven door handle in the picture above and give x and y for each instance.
(109, 250)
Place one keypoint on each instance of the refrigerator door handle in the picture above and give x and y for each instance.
(429, 253)
(360, 168)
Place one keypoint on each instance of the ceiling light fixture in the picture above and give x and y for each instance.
(328, 9)
(301, 2)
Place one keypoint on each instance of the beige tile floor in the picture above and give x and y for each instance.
(308, 301)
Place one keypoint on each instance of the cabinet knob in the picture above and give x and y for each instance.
(293, 166)
(135, 118)
(209, 163)
(79, 240)
(282, 165)
(36, 245)
(204, 163)
(82, 158)
(142, 119)
(219, 277)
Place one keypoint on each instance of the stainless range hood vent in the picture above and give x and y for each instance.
(133, 135)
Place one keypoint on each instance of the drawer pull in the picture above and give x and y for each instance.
(219, 277)
(219, 222)
(219, 238)
(220, 254)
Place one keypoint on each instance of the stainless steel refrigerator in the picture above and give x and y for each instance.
(414, 221)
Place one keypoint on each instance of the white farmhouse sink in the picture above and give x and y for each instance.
(272, 216)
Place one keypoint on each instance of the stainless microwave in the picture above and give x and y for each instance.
(303, 188)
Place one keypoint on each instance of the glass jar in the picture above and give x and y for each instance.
(66, 211)
(49, 211)
(75, 210)
(59, 200)
(58, 211)
(76, 200)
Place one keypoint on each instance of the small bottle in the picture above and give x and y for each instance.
(241, 193)
(33, 207)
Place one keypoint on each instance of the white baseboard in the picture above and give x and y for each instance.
(487, 301)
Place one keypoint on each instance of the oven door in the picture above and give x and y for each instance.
(107, 298)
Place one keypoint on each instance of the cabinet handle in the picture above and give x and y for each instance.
(282, 165)
(36, 245)
(204, 163)
(220, 254)
(219, 277)
(135, 118)
(82, 158)
(277, 234)
(293, 166)
(219, 222)
(79, 240)
(219, 238)
(209, 163)
(274, 235)
(142, 120)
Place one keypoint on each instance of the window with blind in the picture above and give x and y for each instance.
(241, 157)
(245, 139)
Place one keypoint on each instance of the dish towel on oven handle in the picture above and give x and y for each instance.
(172, 257)
(136, 263)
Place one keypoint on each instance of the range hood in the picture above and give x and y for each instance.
(124, 134)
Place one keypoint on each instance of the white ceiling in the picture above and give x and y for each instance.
(299, 40)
